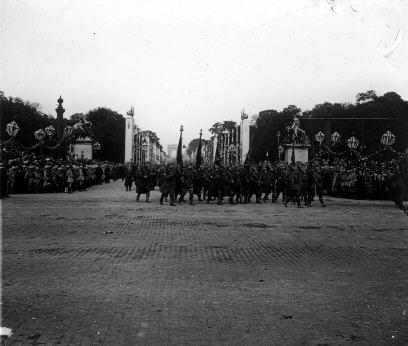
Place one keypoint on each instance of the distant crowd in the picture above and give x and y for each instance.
(363, 179)
(30, 173)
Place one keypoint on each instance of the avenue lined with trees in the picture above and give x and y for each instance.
(367, 119)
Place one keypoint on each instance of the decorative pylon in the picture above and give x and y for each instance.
(60, 114)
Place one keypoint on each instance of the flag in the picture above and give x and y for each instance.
(198, 155)
(179, 152)
(238, 144)
(217, 158)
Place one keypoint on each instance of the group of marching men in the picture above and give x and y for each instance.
(242, 184)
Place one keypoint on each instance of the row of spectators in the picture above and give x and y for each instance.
(364, 179)
(30, 173)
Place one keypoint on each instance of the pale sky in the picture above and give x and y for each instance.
(198, 62)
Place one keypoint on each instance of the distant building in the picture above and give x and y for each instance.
(172, 151)
(141, 146)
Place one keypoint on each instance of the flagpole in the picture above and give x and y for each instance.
(198, 153)
(180, 149)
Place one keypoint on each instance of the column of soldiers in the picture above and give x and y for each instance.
(243, 184)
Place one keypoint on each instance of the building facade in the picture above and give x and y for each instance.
(129, 135)
(141, 146)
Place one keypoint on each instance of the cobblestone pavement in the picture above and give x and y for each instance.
(97, 267)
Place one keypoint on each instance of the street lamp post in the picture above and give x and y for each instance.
(278, 134)
(320, 138)
(352, 144)
(335, 138)
(387, 139)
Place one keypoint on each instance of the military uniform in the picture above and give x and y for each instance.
(187, 179)
(228, 184)
(215, 186)
(237, 186)
(295, 188)
(198, 182)
(254, 185)
(143, 183)
(167, 184)
(265, 183)
(314, 185)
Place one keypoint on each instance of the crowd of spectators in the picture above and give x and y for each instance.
(362, 179)
(27, 172)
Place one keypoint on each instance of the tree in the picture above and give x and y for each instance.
(192, 146)
(26, 114)
(108, 128)
(265, 131)
(229, 125)
(291, 111)
(369, 95)
(75, 118)
(216, 128)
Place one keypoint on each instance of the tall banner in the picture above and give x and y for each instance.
(179, 152)
(198, 154)
(238, 143)
(217, 157)
(129, 139)
(149, 149)
(214, 148)
(244, 137)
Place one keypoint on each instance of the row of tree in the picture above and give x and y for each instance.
(108, 126)
(367, 119)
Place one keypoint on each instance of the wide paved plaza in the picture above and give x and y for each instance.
(97, 267)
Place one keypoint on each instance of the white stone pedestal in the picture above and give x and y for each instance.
(301, 152)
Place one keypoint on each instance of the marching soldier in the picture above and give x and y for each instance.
(3, 181)
(295, 186)
(253, 184)
(167, 184)
(206, 181)
(198, 182)
(265, 183)
(314, 185)
(142, 182)
(282, 183)
(237, 186)
(244, 174)
(228, 184)
(215, 186)
(187, 178)
(128, 180)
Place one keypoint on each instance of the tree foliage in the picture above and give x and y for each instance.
(193, 146)
(108, 128)
(27, 115)
(388, 111)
